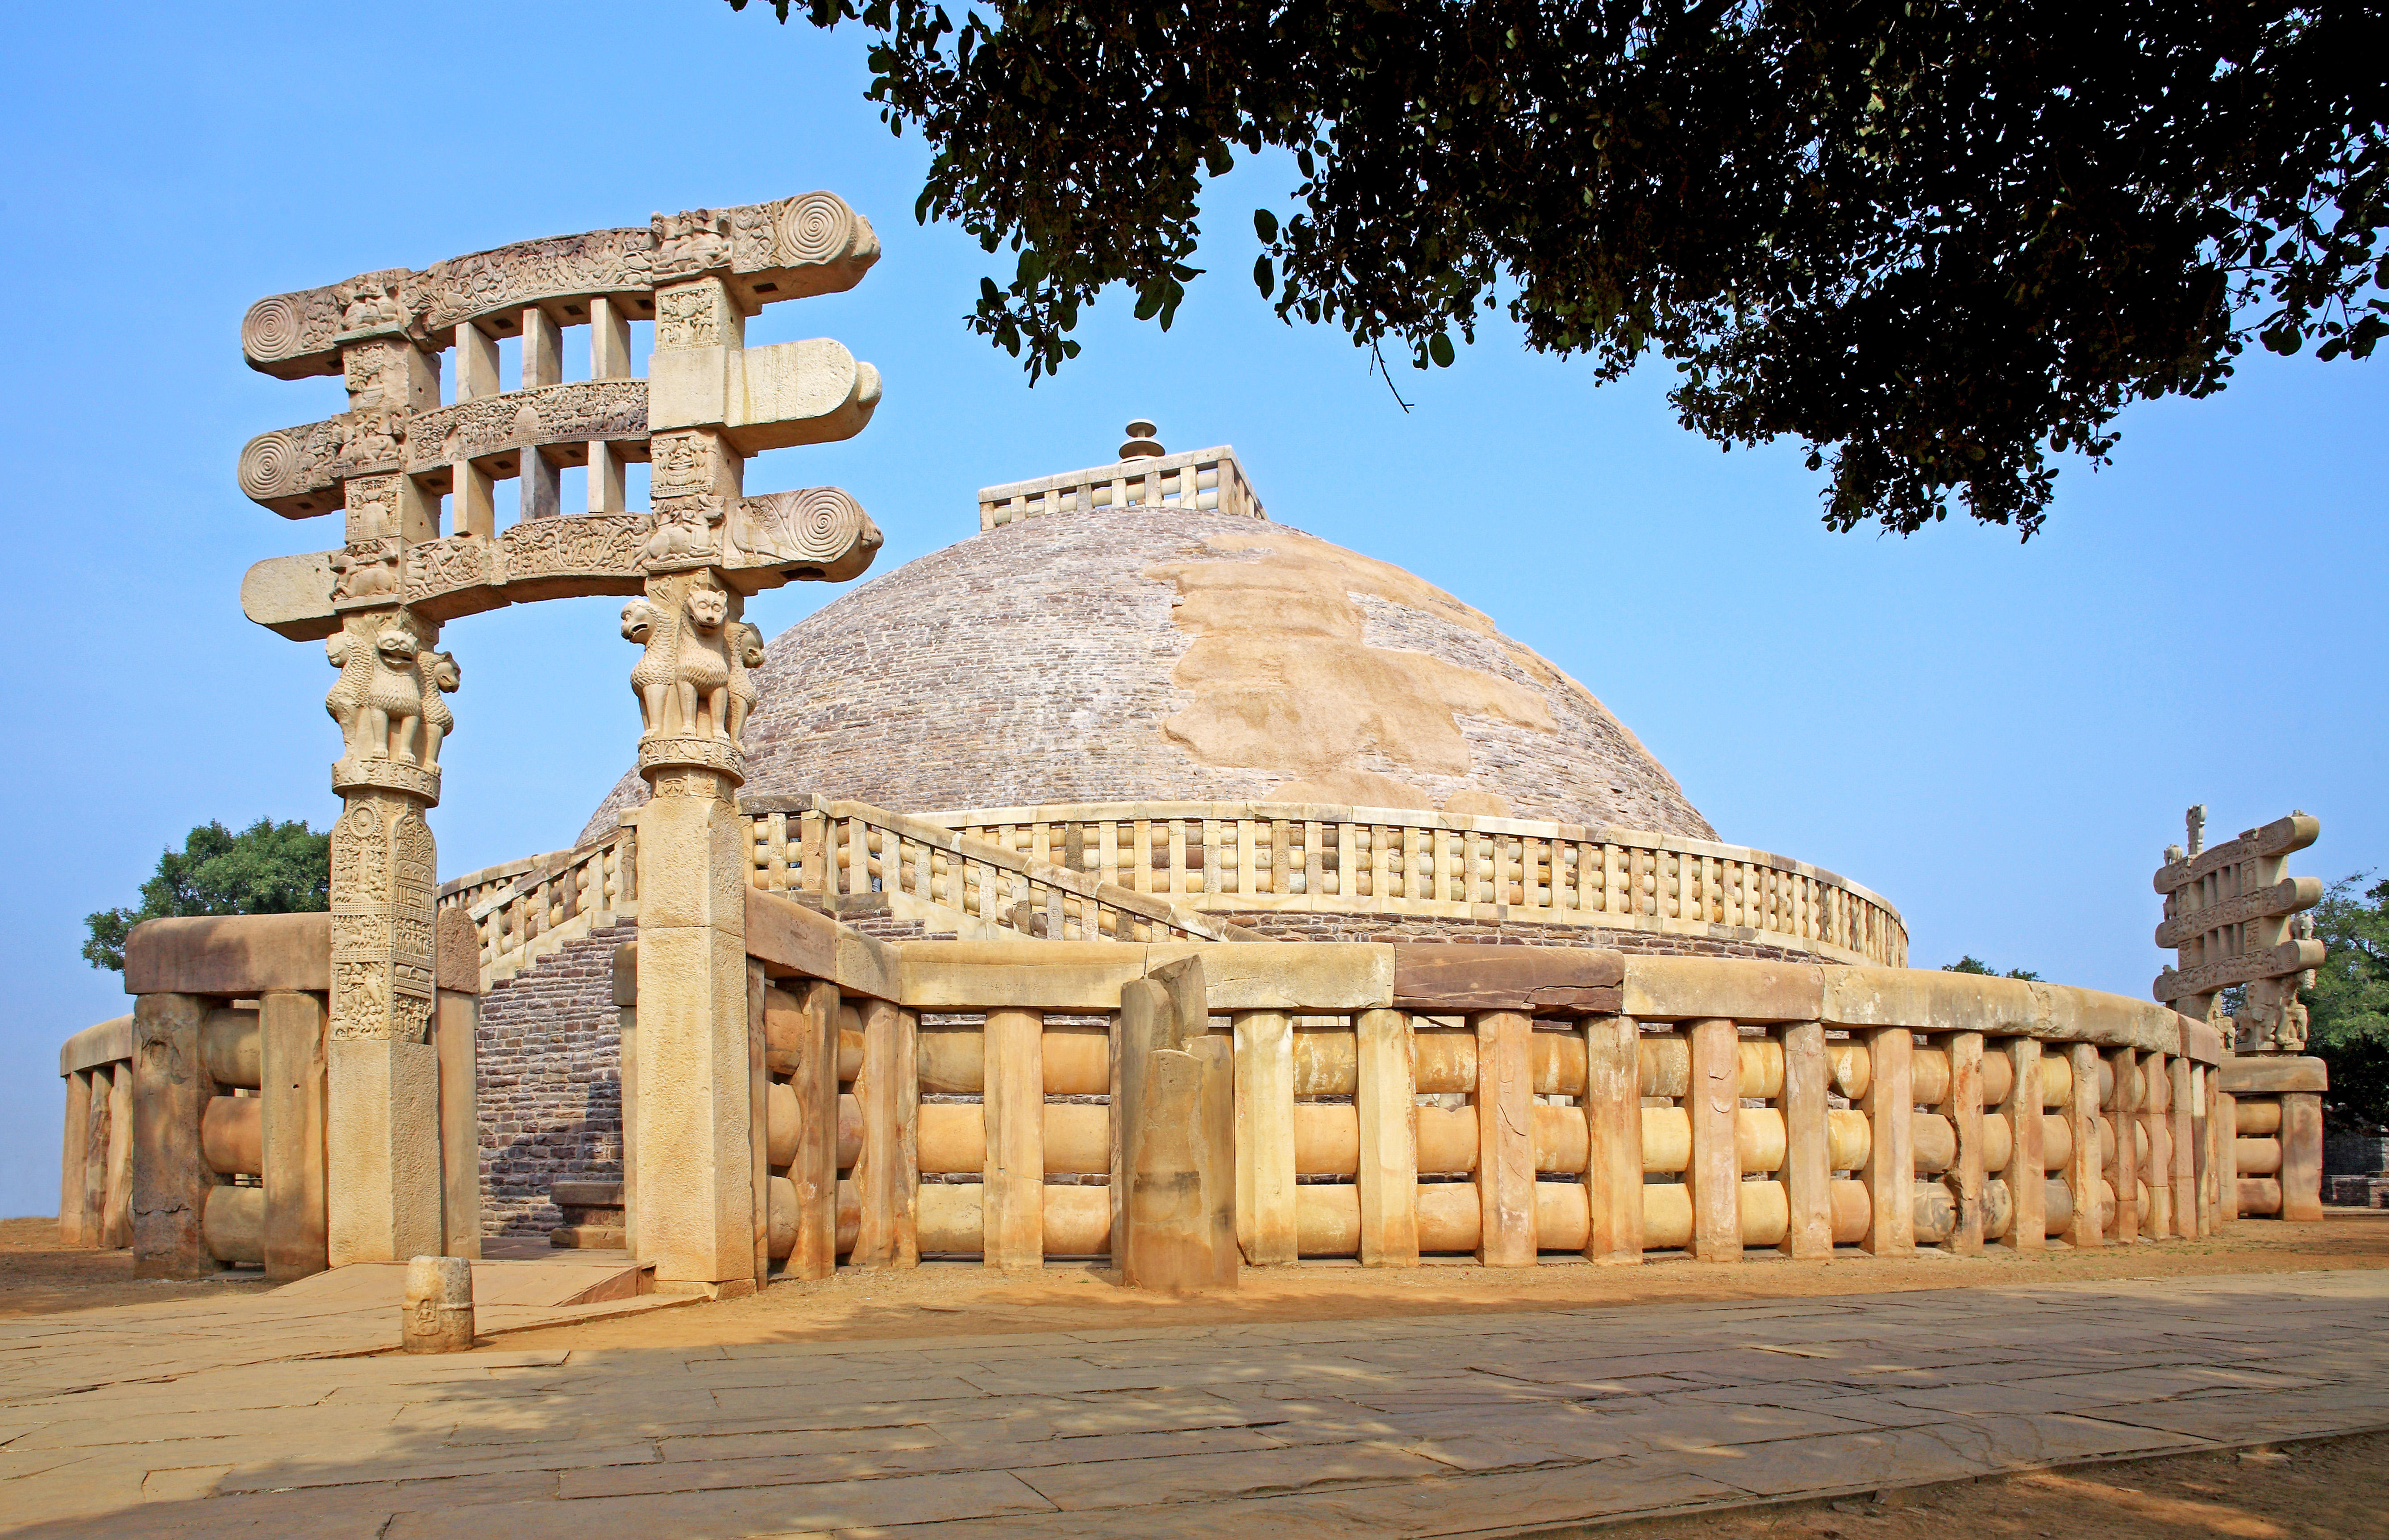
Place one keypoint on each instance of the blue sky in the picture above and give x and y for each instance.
(1998, 737)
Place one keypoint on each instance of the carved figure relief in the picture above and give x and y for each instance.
(685, 318)
(378, 698)
(693, 654)
(382, 921)
(694, 241)
(368, 569)
(371, 302)
(652, 626)
(746, 657)
(440, 677)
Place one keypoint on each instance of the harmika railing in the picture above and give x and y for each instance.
(930, 1098)
(1207, 478)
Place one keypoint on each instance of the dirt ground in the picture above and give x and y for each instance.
(37, 1278)
(942, 1298)
(2330, 1490)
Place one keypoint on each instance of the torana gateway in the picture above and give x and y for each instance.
(1138, 877)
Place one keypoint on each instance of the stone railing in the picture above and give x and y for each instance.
(1288, 860)
(840, 851)
(931, 1097)
(2274, 1158)
(1208, 478)
(95, 1160)
(524, 910)
(218, 1104)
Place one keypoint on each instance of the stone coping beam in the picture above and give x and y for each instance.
(109, 1042)
(243, 956)
(1458, 978)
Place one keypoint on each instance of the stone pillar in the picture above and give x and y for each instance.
(171, 1180)
(696, 1199)
(382, 1177)
(382, 1180)
(696, 1188)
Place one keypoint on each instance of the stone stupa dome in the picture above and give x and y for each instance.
(1153, 652)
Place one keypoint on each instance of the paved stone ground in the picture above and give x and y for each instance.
(1428, 1426)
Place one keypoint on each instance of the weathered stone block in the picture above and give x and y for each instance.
(231, 954)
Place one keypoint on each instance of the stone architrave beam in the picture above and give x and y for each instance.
(2286, 896)
(2290, 957)
(2280, 837)
(818, 534)
(789, 249)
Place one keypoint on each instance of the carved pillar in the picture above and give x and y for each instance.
(695, 1198)
(382, 1119)
(382, 1175)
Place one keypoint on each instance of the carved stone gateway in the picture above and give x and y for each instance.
(2233, 915)
(380, 600)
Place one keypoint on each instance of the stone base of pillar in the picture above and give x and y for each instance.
(382, 1156)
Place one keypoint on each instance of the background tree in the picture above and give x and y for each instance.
(1938, 243)
(2347, 1009)
(1970, 963)
(268, 867)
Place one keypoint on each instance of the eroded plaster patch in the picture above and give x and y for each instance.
(1285, 682)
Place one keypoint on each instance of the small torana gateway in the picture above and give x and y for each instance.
(1138, 878)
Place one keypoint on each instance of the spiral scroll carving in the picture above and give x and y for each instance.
(823, 522)
(816, 227)
(818, 524)
(270, 464)
(275, 327)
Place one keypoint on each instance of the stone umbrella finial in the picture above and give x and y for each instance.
(1141, 444)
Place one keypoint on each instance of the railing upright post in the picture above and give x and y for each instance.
(1713, 1098)
(1612, 1111)
(1807, 1152)
(1385, 1100)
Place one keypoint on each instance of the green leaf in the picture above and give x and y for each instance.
(1438, 348)
(1265, 225)
(1264, 277)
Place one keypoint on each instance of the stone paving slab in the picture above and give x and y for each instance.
(1455, 1425)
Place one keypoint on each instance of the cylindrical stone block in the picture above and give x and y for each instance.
(232, 1135)
(233, 1225)
(229, 1047)
(2253, 1119)
(438, 1315)
(2256, 1157)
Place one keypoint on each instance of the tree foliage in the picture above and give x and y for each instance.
(268, 867)
(1970, 963)
(1938, 243)
(2347, 1008)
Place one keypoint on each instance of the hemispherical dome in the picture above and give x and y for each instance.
(1169, 654)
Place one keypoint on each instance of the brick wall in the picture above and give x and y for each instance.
(550, 1085)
